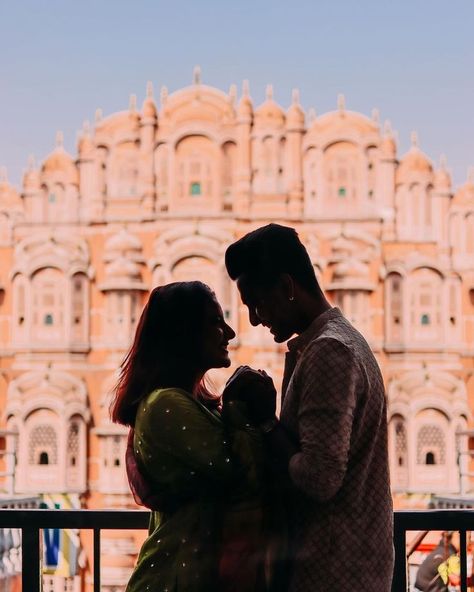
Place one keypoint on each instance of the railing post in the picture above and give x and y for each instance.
(30, 560)
(96, 559)
(399, 583)
(463, 559)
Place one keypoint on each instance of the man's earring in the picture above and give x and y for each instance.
(291, 298)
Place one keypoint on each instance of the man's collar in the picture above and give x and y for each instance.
(301, 341)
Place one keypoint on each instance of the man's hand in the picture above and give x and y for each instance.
(254, 387)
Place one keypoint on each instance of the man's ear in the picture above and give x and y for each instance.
(287, 284)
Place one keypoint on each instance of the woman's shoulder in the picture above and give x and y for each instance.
(173, 396)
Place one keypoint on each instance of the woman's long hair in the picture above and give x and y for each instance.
(165, 348)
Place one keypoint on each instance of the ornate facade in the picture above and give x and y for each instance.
(157, 194)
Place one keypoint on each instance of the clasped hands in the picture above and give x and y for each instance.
(256, 389)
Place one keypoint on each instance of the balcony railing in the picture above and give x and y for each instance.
(31, 521)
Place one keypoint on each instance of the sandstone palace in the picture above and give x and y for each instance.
(156, 194)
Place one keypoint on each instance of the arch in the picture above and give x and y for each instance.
(196, 177)
(342, 174)
(426, 304)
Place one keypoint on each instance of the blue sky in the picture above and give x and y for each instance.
(412, 59)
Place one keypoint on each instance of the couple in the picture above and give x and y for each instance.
(243, 501)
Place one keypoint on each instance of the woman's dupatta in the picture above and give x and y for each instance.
(139, 486)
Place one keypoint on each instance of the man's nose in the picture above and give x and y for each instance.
(254, 318)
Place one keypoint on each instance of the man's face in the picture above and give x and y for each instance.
(269, 307)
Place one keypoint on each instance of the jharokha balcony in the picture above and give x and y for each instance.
(23, 524)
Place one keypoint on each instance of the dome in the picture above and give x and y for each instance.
(9, 198)
(413, 162)
(123, 268)
(345, 121)
(59, 161)
(269, 112)
(31, 177)
(388, 147)
(122, 242)
(464, 196)
(442, 178)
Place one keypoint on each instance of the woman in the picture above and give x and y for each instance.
(199, 468)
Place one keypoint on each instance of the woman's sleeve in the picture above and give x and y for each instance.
(187, 432)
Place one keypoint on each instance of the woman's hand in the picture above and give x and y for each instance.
(256, 388)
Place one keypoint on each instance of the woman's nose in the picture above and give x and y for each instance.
(230, 332)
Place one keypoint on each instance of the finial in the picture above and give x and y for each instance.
(232, 93)
(311, 115)
(59, 139)
(197, 75)
(387, 128)
(269, 92)
(245, 88)
(375, 115)
(98, 115)
(163, 94)
(414, 139)
(3, 174)
(295, 96)
(443, 162)
(31, 162)
(470, 175)
(341, 102)
(132, 104)
(149, 89)
(86, 127)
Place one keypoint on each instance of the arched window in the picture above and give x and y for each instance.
(48, 290)
(73, 444)
(123, 311)
(354, 305)
(80, 307)
(310, 174)
(123, 170)
(43, 445)
(161, 167)
(196, 168)
(425, 305)
(400, 443)
(342, 174)
(394, 299)
(431, 445)
(228, 166)
(371, 172)
(469, 233)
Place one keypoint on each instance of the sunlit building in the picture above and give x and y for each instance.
(156, 194)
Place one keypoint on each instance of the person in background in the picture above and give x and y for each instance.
(329, 444)
(428, 577)
(197, 465)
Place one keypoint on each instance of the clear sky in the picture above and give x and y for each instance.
(412, 59)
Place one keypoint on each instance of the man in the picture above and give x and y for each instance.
(331, 439)
(428, 577)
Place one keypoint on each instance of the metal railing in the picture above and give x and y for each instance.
(32, 521)
(419, 520)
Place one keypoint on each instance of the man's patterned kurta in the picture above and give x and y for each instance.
(340, 508)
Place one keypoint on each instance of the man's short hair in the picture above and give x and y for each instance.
(262, 255)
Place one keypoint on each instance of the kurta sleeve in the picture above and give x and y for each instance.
(177, 427)
(328, 379)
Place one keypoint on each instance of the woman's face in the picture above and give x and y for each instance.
(216, 334)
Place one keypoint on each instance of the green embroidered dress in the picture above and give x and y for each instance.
(210, 467)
